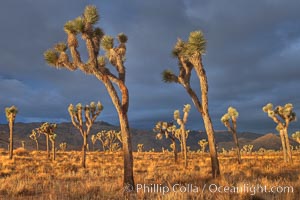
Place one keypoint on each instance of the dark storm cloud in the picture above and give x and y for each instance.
(252, 58)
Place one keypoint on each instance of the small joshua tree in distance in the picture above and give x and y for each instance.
(296, 136)
(11, 113)
(202, 143)
(89, 113)
(34, 136)
(169, 130)
(282, 116)
(182, 123)
(47, 129)
(229, 120)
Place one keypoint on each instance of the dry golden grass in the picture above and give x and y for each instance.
(30, 175)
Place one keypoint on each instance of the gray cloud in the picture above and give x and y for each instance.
(252, 58)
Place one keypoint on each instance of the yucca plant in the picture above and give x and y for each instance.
(11, 113)
(202, 143)
(229, 121)
(183, 132)
(34, 136)
(296, 136)
(84, 115)
(70, 58)
(189, 55)
(167, 129)
(282, 116)
(47, 129)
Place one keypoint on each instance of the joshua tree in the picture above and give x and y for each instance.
(189, 55)
(182, 122)
(23, 144)
(89, 113)
(63, 146)
(231, 115)
(52, 139)
(170, 131)
(140, 147)
(34, 136)
(203, 143)
(282, 116)
(101, 137)
(96, 65)
(11, 113)
(296, 136)
(111, 140)
(248, 148)
(47, 129)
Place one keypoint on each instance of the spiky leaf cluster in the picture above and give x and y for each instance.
(11, 112)
(74, 26)
(169, 77)
(91, 14)
(107, 42)
(176, 114)
(122, 38)
(187, 108)
(60, 47)
(98, 32)
(196, 43)
(51, 57)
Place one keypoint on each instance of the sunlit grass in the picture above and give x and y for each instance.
(31, 175)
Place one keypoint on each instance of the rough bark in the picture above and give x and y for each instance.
(283, 145)
(47, 145)
(53, 151)
(288, 147)
(11, 139)
(237, 147)
(183, 138)
(84, 148)
(205, 115)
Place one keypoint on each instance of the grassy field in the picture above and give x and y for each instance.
(30, 175)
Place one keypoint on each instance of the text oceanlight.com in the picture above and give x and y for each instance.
(212, 188)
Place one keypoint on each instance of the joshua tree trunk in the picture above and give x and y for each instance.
(283, 145)
(53, 151)
(11, 140)
(236, 142)
(47, 145)
(37, 145)
(127, 150)
(205, 115)
(84, 148)
(124, 125)
(183, 139)
(288, 147)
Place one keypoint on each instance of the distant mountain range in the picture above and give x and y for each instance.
(66, 132)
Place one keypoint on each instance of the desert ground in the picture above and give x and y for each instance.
(31, 175)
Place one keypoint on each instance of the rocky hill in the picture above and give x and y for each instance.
(67, 133)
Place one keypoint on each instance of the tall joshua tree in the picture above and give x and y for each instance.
(189, 54)
(48, 130)
(282, 116)
(231, 115)
(11, 113)
(89, 113)
(96, 65)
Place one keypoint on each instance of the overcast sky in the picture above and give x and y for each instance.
(252, 58)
